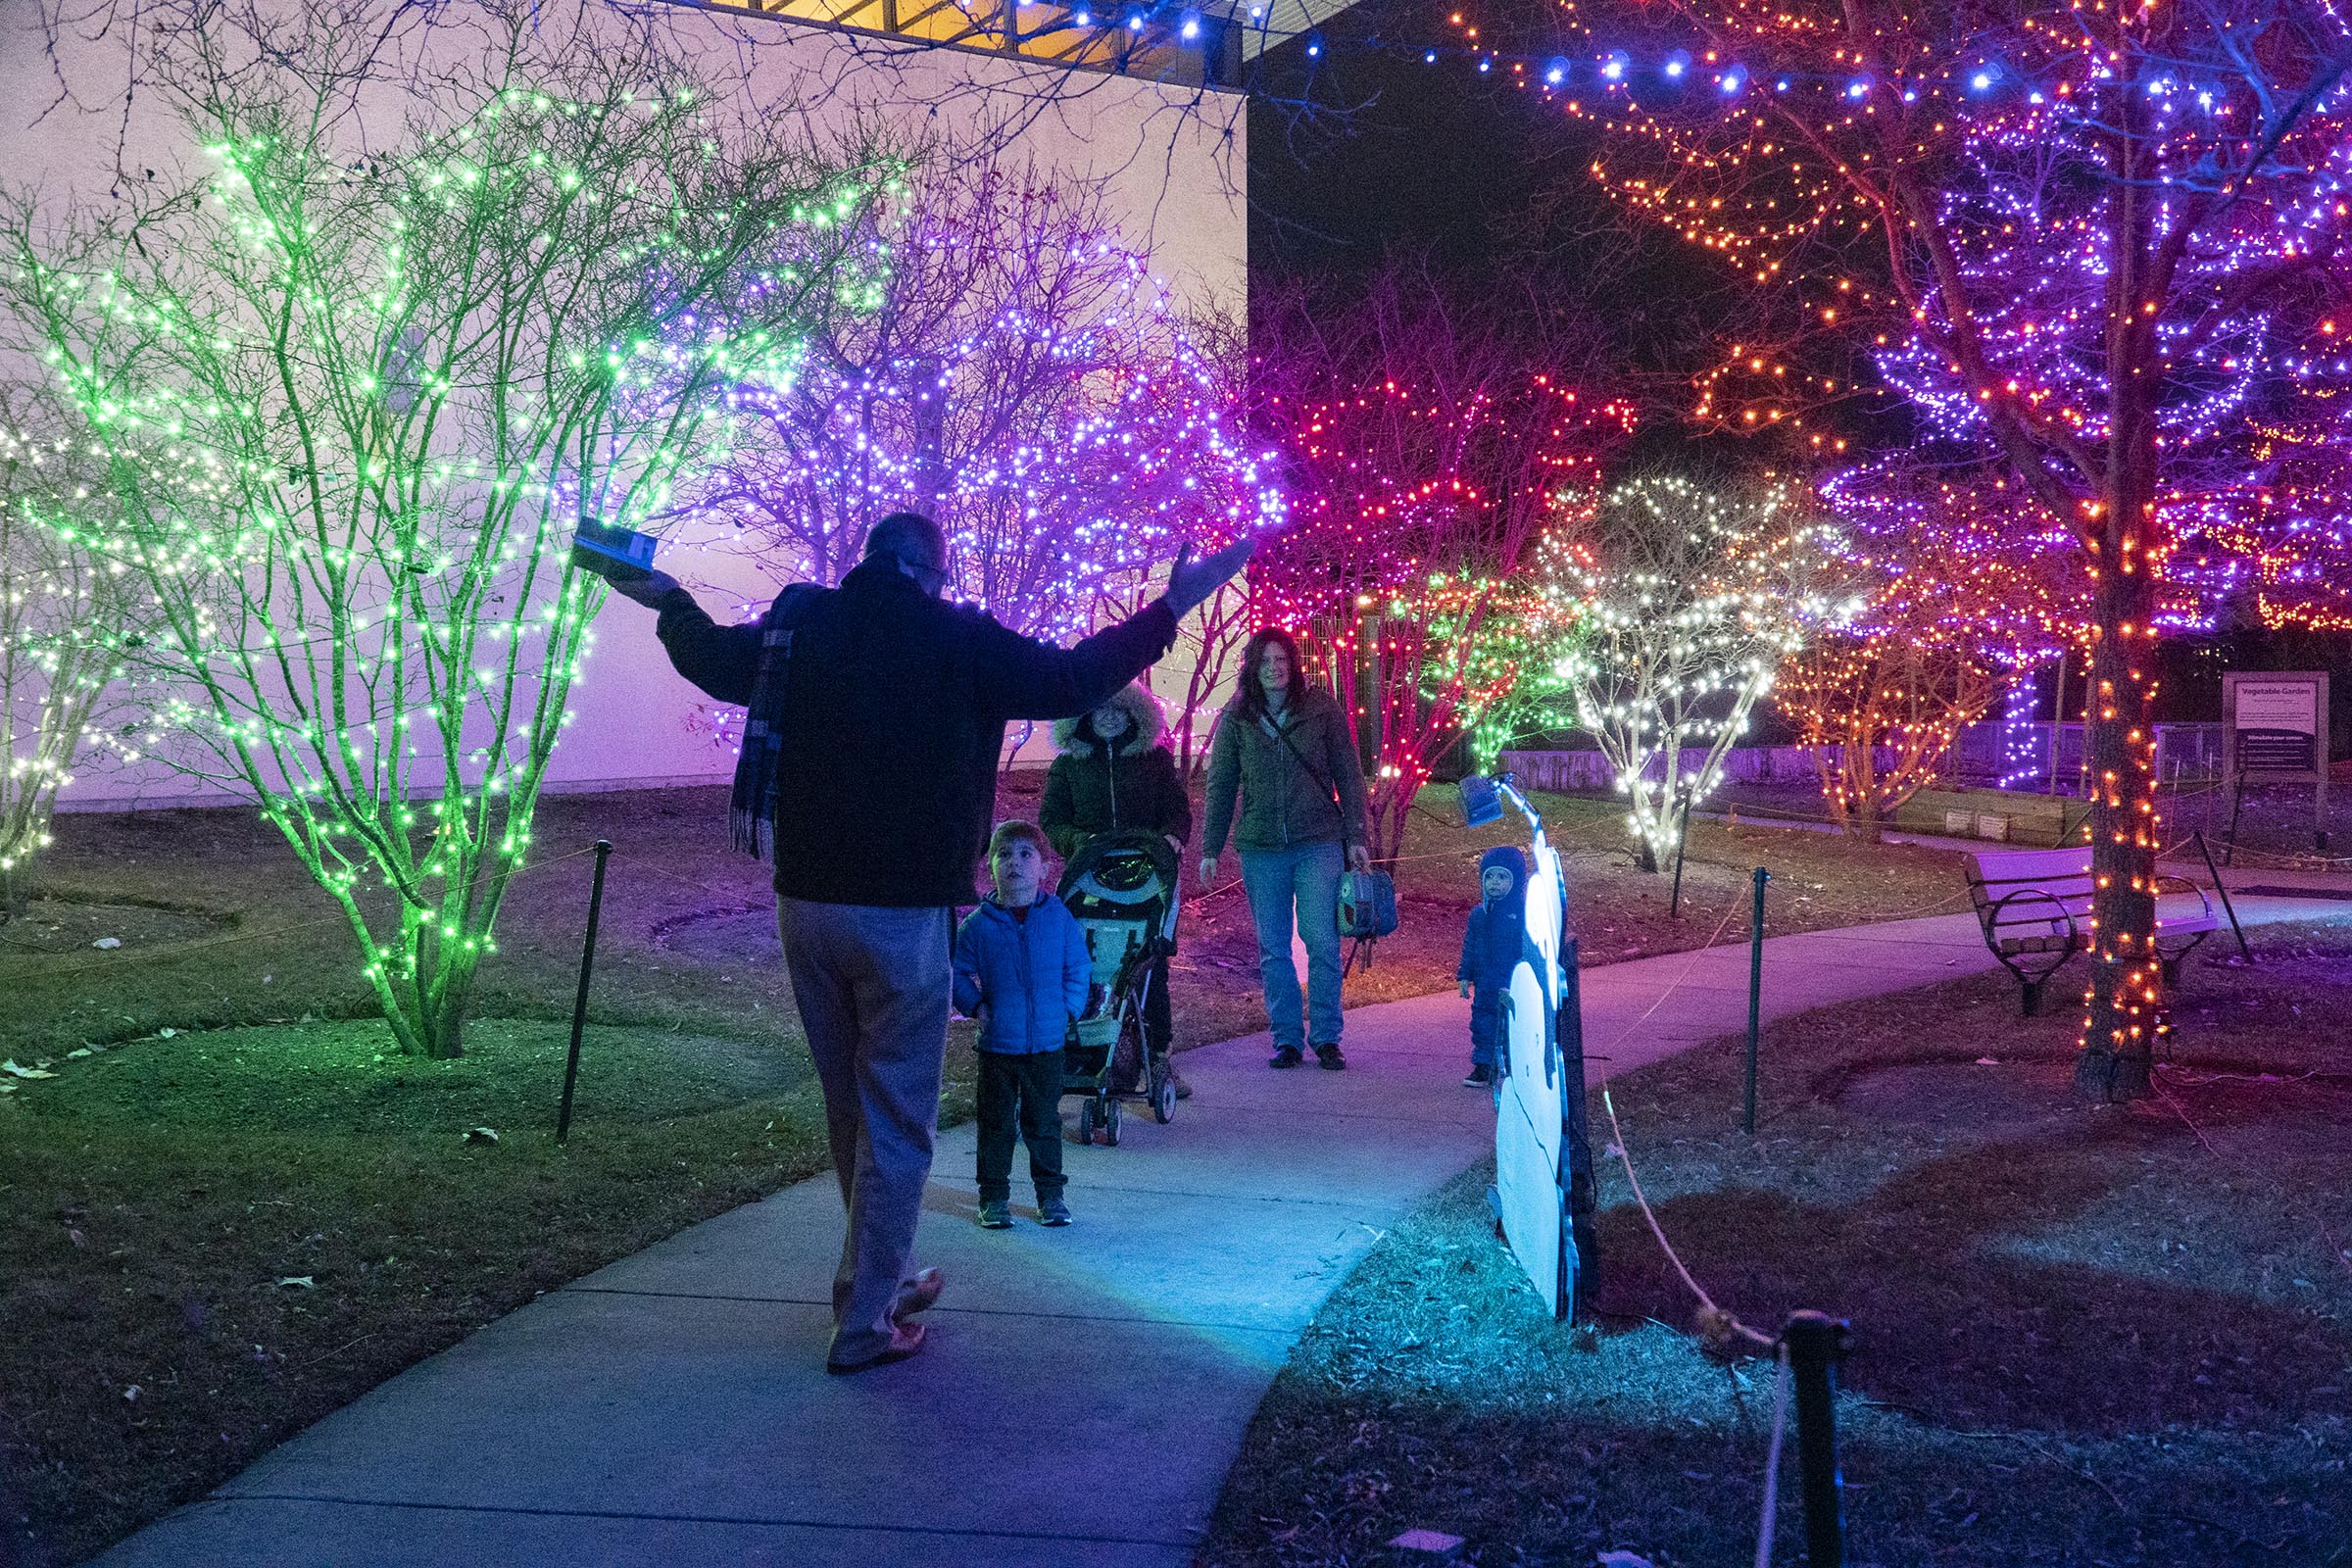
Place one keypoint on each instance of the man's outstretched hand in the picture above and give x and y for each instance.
(647, 590)
(1191, 582)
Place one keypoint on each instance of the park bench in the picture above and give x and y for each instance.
(2035, 906)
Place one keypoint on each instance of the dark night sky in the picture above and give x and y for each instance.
(1431, 157)
(1491, 181)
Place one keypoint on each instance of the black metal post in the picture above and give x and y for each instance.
(1817, 1343)
(1576, 1153)
(1674, 904)
(2229, 908)
(579, 1004)
(2238, 805)
(1756, 997)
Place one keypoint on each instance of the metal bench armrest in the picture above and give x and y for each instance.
(2181, 884)
(1992, 938)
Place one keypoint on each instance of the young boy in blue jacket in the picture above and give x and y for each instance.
(1022, 969)
(1490, 950)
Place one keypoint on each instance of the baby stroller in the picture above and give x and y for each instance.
(1122, 887)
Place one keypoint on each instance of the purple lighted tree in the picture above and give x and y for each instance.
(2104, 247)
(1013, 370)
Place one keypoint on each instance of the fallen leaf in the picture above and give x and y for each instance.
(165, 1034)
(14, 1071)
(481, 1135)
(1624, 1559)
(134, 1391)
(298, 1282)
(82, 1052)
(108, 941)
(1426, 1541)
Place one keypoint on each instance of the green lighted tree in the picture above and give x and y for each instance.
(357, 390)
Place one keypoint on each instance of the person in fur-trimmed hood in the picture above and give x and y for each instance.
(1115, 775)
(1114, 772)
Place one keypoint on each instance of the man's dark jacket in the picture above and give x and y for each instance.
(894, 723)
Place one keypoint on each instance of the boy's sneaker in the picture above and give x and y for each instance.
(996, 1214)
(1327, 1058)
(1052, 1211)
(1480, 1076)
(1287, 1056)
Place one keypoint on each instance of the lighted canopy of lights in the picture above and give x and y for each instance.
(1760, 132)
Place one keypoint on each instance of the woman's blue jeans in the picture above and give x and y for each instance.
(1304, 879)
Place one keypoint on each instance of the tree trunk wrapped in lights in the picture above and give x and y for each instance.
(1691, 602)
(355, 398)
(2105, 246)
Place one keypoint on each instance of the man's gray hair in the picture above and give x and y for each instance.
(910, 536)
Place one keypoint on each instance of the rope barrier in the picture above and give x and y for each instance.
(1712, 1313)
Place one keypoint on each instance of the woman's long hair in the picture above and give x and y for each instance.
(1251, 700)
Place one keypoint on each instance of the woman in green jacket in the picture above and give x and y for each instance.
(1284, 748)
(1115, 773)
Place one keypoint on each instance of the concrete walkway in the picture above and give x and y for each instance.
(1084, 1391)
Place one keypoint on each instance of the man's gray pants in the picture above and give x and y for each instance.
(872, 988)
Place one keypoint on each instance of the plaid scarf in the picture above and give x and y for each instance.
(749, 812)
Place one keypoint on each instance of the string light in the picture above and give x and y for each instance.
(1415, 497)
(1012, 370)
(1689, 604)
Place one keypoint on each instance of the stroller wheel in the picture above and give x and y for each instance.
(1110, 1124)
(1086, 1120)
(1164, 1092)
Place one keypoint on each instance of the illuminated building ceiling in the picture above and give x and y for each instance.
(1190, 45)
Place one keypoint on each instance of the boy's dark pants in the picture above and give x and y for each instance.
(1020, 1096)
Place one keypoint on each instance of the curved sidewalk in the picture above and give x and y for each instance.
(1084, 1391)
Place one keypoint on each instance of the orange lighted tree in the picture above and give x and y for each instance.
(2102, 244)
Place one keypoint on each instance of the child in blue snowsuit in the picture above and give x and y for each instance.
(1491, 945)
(1021, 968)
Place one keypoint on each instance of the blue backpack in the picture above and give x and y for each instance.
(1367, 905)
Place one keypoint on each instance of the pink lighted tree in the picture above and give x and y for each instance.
(1429, 444)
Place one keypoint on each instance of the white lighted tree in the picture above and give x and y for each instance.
(64, 621)
(1691, 601)
(354, 392)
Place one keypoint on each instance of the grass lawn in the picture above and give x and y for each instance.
(226, 1116)
(2082, 1337)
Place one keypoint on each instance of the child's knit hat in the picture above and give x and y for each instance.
(1512, 859)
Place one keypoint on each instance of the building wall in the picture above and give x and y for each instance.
(1170, 159)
